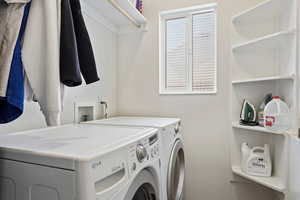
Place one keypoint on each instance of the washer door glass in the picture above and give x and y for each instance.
(145, 192)
(176, 172)
(143, 187)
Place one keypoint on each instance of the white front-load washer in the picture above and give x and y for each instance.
(81, 162)
(172, 151)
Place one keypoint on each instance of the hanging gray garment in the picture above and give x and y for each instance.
(11, 13)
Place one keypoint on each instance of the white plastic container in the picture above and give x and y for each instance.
(277, 115)
(256, 161)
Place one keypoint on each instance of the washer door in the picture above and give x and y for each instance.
(176, 172)
(144, 187)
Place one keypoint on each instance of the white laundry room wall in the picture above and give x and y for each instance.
(128, 66)
(104, 45)
(206, 118)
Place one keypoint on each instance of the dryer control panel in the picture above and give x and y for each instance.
(143, 152)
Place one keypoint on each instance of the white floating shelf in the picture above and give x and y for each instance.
(271, 7)
(116, 13)
(274, 182)
(266, 42)
(262, 79)
(257, 129)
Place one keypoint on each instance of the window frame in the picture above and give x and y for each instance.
(183, 13)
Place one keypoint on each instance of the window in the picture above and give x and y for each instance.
(188, 51)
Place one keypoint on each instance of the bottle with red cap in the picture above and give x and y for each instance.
(277, 115)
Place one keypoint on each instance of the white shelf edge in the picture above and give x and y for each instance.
(270, 78)
(265, 38)
(271, 182)
(237, 18)
(258, 129)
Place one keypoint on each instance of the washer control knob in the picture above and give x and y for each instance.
(141, 152)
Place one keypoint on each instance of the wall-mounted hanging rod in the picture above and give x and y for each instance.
(116, 6)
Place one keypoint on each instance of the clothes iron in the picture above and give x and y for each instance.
(248, 114)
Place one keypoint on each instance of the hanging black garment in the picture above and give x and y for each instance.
(76, 49)
(85, 51)
(69, 63)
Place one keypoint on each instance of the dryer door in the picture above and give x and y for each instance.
(144, 187)
(176, 172)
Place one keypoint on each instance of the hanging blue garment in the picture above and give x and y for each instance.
(11, 106)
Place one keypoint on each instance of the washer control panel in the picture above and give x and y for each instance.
(142, 152)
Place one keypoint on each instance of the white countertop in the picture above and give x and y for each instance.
(76, 142)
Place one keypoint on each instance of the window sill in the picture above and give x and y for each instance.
(186, 93)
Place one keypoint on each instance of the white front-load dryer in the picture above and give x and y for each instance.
(172, 150)
(81, 162)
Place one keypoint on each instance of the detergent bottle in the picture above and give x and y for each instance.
(277, 115)
(259, 162)
(256, 161)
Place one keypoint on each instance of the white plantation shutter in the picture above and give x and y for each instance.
(188, 51)
(203, 41)
(176, 71)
